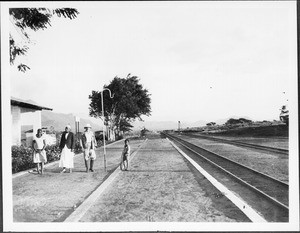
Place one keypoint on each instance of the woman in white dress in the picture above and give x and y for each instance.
(39, 153)
(67, 145)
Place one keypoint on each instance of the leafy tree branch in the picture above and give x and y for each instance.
(33, 19)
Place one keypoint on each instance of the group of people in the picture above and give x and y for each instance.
(67, 144)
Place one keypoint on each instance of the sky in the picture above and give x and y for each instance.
(199, 60)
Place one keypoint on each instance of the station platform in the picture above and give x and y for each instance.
(51, 197)
(160, 186)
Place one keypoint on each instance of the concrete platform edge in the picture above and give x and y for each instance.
(241, 204)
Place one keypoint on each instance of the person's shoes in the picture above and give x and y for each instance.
(91, 170)
(63, 171)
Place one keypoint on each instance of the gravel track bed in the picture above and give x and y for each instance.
(282, 143)
(277, 143)
(272, 165)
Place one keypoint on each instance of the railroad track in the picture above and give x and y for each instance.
(242, 144)
(270, 189)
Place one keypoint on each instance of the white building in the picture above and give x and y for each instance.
(24, 112)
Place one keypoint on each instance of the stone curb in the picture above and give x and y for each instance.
(87, 204)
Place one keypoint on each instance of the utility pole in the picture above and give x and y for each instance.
(104, 149)
(77, 120)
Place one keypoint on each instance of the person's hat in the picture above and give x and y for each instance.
(88, 126)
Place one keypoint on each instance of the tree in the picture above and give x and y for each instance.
(211, 123)
(144, 131)
(125, 126)
(233, 121)
(243, 120)
(33, 19)
(130, 101)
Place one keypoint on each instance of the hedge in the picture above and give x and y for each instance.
(22, 157)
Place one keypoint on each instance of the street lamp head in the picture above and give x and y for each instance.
(111, 96)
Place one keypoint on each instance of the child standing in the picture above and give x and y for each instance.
(39, 153)
(124, 158)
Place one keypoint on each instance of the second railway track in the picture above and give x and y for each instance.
(242, 144)
(274, 191)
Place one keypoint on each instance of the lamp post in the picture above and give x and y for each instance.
(104, 150)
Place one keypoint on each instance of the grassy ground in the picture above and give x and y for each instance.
(261, 131)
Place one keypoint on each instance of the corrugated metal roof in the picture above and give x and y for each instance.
(27, 104)
(31, 130)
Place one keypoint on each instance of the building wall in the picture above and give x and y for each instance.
(23, 116)
(16, 125)
(50, 139)
(31, 117)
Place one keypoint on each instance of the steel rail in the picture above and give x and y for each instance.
(243, 144)
(275, 201)
(238, 164)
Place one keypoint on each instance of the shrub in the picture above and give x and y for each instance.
(22, 157)
(119, 137)
(233, 121)
(53, 153)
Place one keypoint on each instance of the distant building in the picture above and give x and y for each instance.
(24, 112)
(49, 136)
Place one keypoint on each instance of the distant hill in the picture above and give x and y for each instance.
(154, 125)
(261, 130)
(60, 120)
(223, 121)
(196, 124)
(165, 125)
